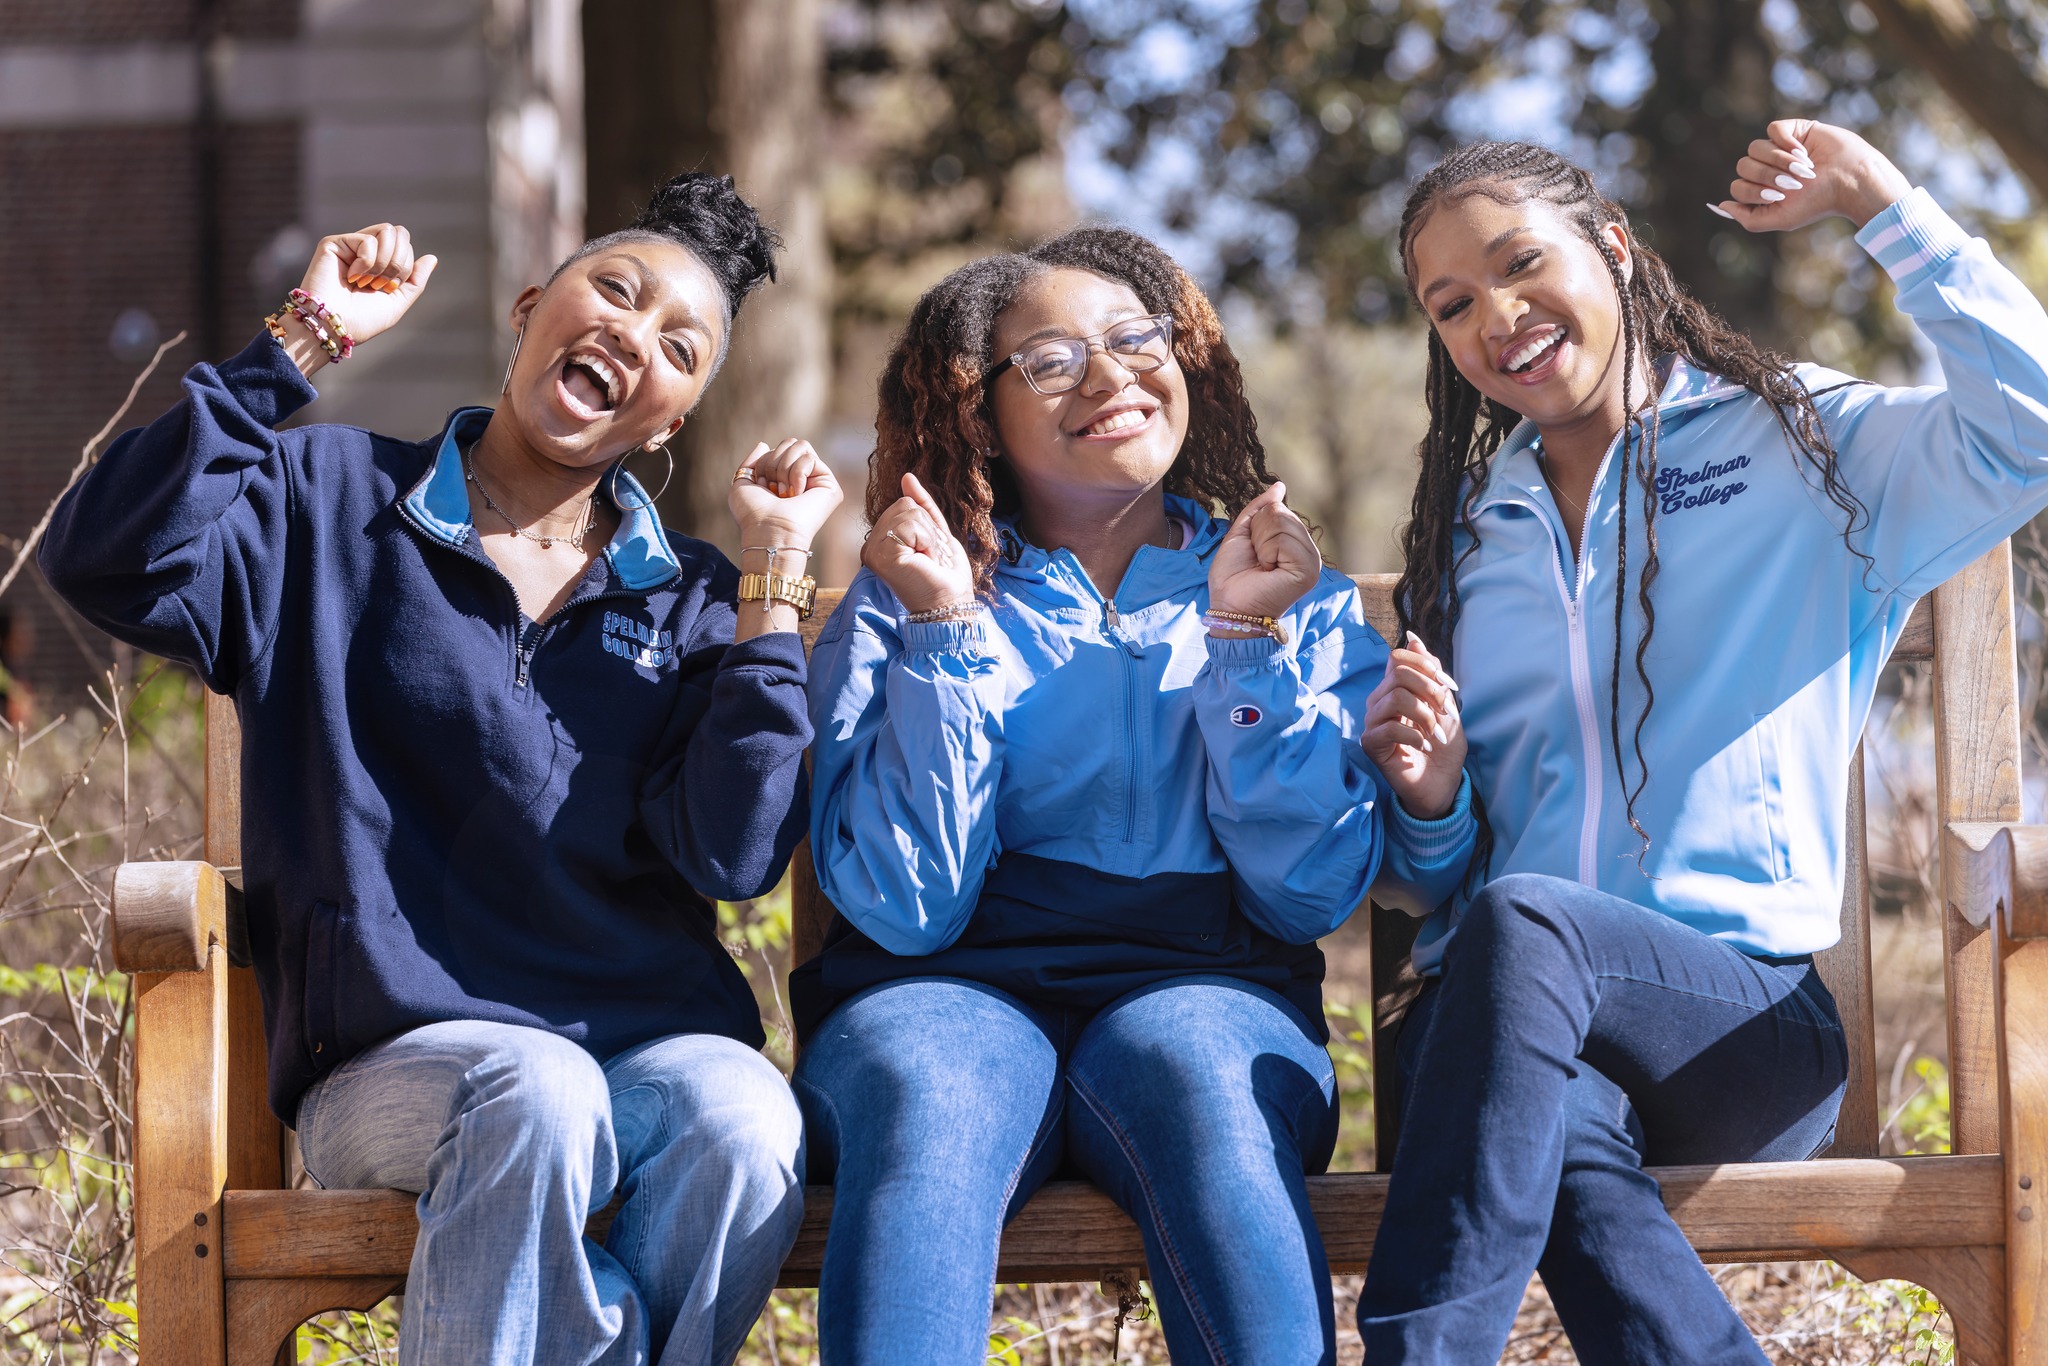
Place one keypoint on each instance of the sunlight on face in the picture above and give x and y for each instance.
(615, 350)
(1524, 304)
(1112, 436)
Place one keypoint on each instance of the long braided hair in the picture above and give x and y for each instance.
(934, 418)
(1658, 318)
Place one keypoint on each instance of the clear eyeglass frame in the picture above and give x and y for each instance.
(1080, 349)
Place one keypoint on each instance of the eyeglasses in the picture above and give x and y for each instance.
(1053, 367)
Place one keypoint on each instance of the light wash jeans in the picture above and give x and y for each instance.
(939, 1105)
(513, 1137)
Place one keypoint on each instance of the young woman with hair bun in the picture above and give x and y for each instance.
(1668, 566)
(1102, 750)
(503, 740)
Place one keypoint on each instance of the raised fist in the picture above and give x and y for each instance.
(1266, 561)
(913, 551)
(1801, 171)
(368, 279)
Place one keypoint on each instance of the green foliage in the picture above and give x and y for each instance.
(1351, 1053)
(78, 982)
(1923, 1121)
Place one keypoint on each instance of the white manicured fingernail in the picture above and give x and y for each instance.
(1769, 196)
(1786, 182)
(1804, 170)
(1716, 208)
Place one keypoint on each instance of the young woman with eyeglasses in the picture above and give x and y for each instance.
(1089, 784)
(1668, 566)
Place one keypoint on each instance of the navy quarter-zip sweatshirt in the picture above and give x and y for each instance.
(446, 814)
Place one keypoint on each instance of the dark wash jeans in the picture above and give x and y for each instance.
(1572, 1039)
(937, 1106)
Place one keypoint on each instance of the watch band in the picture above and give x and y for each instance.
(801, 594)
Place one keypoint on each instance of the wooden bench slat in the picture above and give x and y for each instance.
(1071, 1231)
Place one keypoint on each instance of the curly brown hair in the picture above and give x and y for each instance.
(934, 419)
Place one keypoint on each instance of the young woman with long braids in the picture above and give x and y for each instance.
(1089, 785)
(1667, 567)
(502, 738)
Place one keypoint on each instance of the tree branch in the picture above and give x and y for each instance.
(1947, 40)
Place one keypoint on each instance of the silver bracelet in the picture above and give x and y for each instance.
(771, 551)
(967, 609)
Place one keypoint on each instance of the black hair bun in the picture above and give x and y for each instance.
(706, 214)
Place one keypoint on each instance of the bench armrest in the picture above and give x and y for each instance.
(168, 916)
(2004, 868)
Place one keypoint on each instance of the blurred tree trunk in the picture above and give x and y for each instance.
(735, 87)
(1712, 95)
(1994, 85)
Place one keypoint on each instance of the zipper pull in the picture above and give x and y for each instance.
(1109, 614)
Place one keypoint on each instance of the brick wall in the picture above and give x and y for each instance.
(101, 221)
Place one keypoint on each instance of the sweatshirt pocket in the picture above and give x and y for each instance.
(326, 941)
(1771, 794)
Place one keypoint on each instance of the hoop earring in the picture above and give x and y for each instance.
(665, 478)
(517, 337)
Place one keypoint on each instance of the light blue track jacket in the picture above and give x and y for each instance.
(1770, 634)
(1117, 736)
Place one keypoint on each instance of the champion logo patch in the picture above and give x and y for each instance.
(1246, 716)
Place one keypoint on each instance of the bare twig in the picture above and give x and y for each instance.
(28, 542)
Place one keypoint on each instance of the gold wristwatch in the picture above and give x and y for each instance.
(801, 593)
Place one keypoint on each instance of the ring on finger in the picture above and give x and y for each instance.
(744, 472)
(899, 540)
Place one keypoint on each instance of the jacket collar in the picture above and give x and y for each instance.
(1017, 558)
(1154, 574)
(1687, 389)
(638, 553)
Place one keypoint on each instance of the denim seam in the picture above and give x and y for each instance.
(662, 1133)
(1709, 996)
(1173, 1256)
(1037, 1145)
(1314, 1093)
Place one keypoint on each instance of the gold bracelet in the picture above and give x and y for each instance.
(1238, 621)
(801, 594)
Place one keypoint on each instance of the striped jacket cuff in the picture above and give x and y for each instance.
(1431, 842)
(1912, 237)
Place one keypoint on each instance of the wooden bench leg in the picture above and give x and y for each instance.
(180, 1163)
(263, 1315)
(1969, 1282)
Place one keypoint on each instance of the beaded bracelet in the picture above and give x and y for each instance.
(967, 609)
(275, 324)
(316, 315)
(1214, 620)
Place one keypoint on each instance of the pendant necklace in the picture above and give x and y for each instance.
(574, 538)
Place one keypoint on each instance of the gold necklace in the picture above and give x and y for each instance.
(1543, 464)
(574, 538)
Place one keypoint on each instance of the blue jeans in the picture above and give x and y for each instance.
(514, 1136)
(939, 1105)
(1574, 1038)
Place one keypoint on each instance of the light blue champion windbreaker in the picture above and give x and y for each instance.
(1769, 633)
(1114, 735)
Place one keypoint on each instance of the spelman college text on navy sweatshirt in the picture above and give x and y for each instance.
(445, 816)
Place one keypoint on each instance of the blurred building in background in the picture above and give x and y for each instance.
(167, 165)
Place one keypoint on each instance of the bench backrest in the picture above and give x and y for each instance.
(1965, 628)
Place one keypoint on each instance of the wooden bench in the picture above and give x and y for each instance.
(230, 1262)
